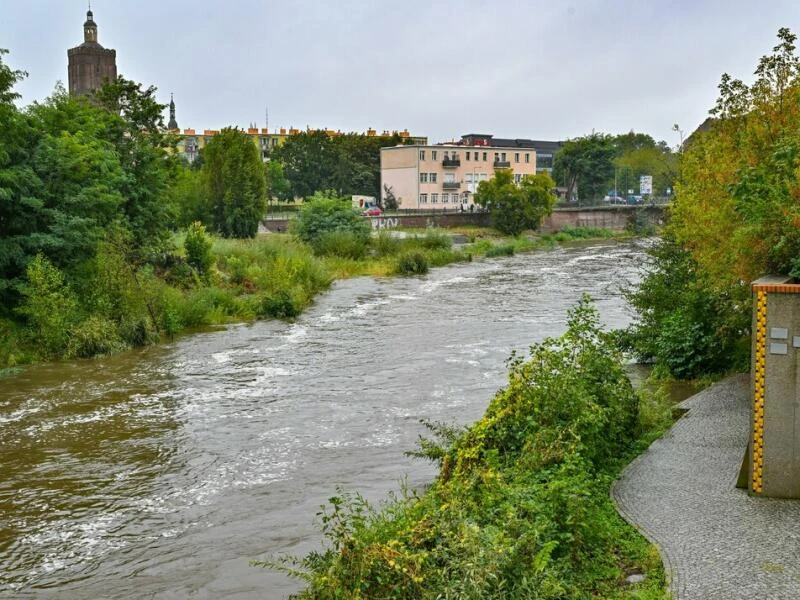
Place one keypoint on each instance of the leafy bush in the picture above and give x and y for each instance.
(436, 240)
(198, 249)
(385, 244)
(94, 336)
(520, 508)
(325, 213)
(279, 305)
(503, 250)
(346, 244)
(412, 263)
(48, 305)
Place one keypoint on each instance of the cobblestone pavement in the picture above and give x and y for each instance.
(715, 540)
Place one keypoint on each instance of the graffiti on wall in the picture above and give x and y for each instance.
(385, 223)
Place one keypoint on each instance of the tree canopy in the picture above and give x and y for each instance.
(234, 184)
(313, 161)
(516, 207)
(735, 217)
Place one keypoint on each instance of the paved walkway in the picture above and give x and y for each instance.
(716, 541)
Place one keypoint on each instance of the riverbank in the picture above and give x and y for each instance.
(272, 276)
(521, 505)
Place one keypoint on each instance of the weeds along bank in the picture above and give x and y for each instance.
(521, 506)
(107, 305)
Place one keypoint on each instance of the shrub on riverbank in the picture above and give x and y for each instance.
(521, 506)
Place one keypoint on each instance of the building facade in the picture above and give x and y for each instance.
(90, 65)
(446, 176)
(190, 142)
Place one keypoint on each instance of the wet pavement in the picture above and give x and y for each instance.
(715, 540)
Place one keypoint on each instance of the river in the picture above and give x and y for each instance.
(160, 473)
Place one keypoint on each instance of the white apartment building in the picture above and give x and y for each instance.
(446, 176)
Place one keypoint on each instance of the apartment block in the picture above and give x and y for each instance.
(446, 176)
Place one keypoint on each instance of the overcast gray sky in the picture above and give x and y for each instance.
(441, 68)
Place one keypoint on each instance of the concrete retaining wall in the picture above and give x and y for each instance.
(616, 218)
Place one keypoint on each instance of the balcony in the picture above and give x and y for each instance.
(451, 162)
(502, 164)
(451, 185)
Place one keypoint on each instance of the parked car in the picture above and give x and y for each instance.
(372, 211)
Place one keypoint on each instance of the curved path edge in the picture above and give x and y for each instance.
(716, 542)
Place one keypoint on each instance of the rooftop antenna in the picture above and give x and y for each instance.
(266, 117)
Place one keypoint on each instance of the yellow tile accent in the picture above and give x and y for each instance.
(758, 387)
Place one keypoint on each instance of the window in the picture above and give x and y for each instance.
(423, 198)
(423, 178)
(432, 177)
(445, 154)
(544, 161)
(516, 156)
(422, 154)
(484, 157)
(484, 176)
(527, 157)
(468, 153)
(503, 157)
(496, 157)
(434, 198)
(449, 177)
(445, 198)
(517, 177)
(433, 154)
(468, 178)
(455, 155)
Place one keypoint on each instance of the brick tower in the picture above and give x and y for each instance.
(90, 64)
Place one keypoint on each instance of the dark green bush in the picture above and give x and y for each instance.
(345, 244)
(279, 305)
(436, 240)
(412, 263)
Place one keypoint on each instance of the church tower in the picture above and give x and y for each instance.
(90, 65)
(173, 124)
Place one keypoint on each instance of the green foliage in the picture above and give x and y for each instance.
(314, 161)
(684, 325)
(735, 218)
(585, 165)
(198, 249)
(502, 250)
(48, 305)
(412, 263)
(325, 213)
(94, 336)
(521, 506)
(234, 183)
(278, 187)
(347, 244)
(436, 240)
(516, 207)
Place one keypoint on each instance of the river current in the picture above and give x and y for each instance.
(161, 473)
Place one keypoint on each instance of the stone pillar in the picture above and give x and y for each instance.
(774, 446)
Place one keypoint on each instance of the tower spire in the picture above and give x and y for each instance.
(173, 124)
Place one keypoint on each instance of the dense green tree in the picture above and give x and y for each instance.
(349, 164)
(516, 207)
(144, 151)
(278, 187)
(19, 205)
(585, 164)
(234, 184)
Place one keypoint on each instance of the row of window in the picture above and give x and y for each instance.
(475, 155)
(427, 177)
(435, 198)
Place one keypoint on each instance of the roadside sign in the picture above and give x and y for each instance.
(646, 184)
